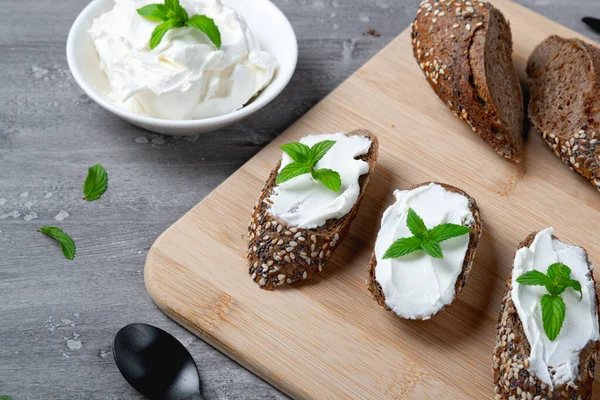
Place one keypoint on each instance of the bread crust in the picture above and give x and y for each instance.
(512, 374)
(279, 253)
(446, 39)
(474, 236)
(578, 149)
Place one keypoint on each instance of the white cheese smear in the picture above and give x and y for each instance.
(555, 362)
(185, 76)
(418, 285)
(306, 203)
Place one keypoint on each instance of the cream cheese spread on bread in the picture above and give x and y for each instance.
(305, 202)
(555, 362)
(417, 285)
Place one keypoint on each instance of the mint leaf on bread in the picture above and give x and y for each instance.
(424, 239)
(305, 160)
(556, 280)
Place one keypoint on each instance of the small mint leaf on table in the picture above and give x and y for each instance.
(207, 26)
(297, 151)
(402, 247)
(553, 315)
(64, 240)
(96, 183)
(415, 224)
(154, 12)
(292, 170)
(330, 178)
(5, 397)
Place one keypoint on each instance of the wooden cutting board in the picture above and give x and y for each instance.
(327, 338)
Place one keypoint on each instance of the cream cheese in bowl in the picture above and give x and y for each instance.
(185, 77)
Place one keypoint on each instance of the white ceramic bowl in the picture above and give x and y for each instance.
(267, 22)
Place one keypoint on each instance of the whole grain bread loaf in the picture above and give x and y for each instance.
(279, 253)
(564, 76)
(512, 374)
(465, 50)
(474, 235)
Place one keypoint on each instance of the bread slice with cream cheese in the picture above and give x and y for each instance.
(407, 301)
(281, 253)
(518, 372)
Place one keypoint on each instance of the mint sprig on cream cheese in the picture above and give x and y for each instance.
(172, 16)
(305, 160)
(424, 239)
(556, 281)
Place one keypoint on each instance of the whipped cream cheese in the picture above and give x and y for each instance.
(306, 203)
(186, 76)
(556, 362)
(418, 285)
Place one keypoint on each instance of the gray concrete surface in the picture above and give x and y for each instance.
(58, 317)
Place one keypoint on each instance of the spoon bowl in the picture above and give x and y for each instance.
(156, 364)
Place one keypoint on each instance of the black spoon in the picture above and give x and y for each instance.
(593, 23)
(156, 364)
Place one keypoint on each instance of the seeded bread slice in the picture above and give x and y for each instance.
(512, 374)
(565, 103)
(474, 235)
(465, 51)
(279, 253)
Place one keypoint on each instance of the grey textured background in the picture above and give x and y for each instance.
(58, 317)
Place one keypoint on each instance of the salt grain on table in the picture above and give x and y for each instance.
(30, 216)
(61, 215)
(74, 344)
(141, 139)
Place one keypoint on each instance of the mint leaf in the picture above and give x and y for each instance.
(575, 285)
(172, 4)
(402, 247)
(318, 151)
(533, 278)
(292, 170)
(96, 182)
(159, 32)
(207, 26)
(447, 231)
(305, 158)
(553, 315)
(5, 397)
(66, 243)
(154, 12)
(181, 15)
(428, 239)
(433, 249)
(297, 151)
(415, 224)
(330, 178)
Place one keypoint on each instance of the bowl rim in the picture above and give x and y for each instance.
(282, 78)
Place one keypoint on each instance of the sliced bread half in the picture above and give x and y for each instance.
(279, 253)
(513, 377)
(476, 230)
(465, 51)
(565, 102)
